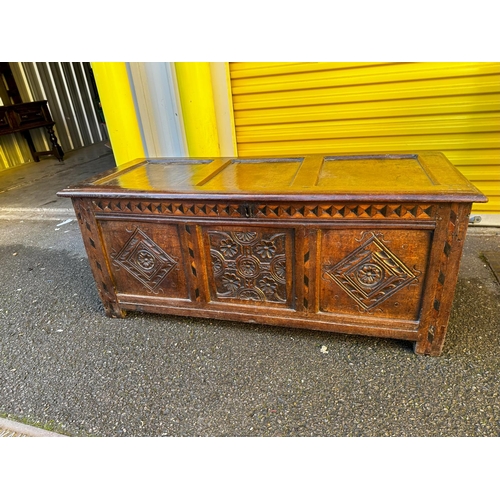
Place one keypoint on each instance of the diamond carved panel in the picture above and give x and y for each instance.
(145, 260)
(370, 274)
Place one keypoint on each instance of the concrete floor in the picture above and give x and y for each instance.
(32, 188)
(28, 192)
(65, 366)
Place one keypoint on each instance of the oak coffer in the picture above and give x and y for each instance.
(360, 244)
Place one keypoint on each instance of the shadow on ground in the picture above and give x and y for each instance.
(62, 361)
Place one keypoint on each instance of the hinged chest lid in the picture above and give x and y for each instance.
(372, 177)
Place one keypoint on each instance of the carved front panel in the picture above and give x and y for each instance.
(250, 265)
(145, 258)
(378, 273)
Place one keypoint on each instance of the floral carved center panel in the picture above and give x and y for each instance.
(249, 265)
(370, 274)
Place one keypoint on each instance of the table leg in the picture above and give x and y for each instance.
(56, 148)
(27, 136)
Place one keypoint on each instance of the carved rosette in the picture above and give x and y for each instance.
(370, 274)
(249, 265)
(145, 260)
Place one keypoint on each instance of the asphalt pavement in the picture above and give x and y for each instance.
(67, 368)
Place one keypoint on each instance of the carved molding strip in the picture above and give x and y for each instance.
(192, 260)
(84, 215)
(351, 211)
(97, 259)
(457, 227)
(180, 209)
(307, 265)
(268, 211)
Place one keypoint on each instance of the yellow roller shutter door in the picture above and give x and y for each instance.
(295, 108)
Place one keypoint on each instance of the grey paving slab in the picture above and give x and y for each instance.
(10, 428)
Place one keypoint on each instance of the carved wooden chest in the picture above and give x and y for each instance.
(366, 244)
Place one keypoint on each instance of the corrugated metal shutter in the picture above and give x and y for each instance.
(296, 108)
(69, 89)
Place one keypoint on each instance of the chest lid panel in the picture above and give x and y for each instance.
(369, 177)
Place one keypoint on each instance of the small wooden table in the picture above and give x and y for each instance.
(25, 117)
(359, 244)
